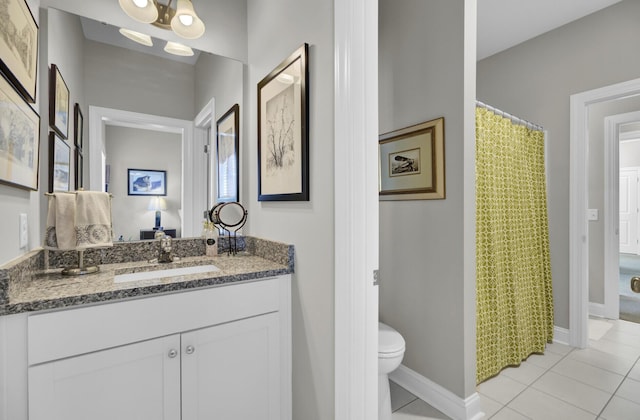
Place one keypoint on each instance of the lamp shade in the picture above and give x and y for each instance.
(138, 37)
(186, 23)
(144, 11)
(178, 49)
(157, 203)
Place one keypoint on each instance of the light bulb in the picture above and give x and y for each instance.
(187, 20)
(140, 3)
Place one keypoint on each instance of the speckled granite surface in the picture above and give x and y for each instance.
(26, 285)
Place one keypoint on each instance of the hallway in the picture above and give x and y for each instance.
(600, 382)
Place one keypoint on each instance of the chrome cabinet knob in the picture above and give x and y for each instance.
(173, 353)
(190, 349)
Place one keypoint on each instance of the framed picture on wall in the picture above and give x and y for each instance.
(59, 163)
(283, 131)
(412, 162)
(58, 103)
(19, 47)
(19, 139)
(146, 182)
(227, 164)
(78, 126)
(78, 169)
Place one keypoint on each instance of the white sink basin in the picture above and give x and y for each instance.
(169, 272)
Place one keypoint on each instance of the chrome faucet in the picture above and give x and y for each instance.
(164, 255)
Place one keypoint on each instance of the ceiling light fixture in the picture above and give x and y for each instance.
(178, 49)
(138, 37)
(183, 20)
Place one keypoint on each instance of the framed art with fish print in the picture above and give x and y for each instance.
(283, 131)
(412, 162)
(19, 47)
(146, 182)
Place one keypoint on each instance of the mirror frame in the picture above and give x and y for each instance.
(100, 117)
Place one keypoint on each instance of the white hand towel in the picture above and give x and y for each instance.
(93, 219)
(79, 220)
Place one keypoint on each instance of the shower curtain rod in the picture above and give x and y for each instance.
(511, 117)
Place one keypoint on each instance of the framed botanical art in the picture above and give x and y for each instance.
(59, 163)
(227, 164)
(283, 131)
(78, 169)
(58, 103)
(146, 182)
(412, 162)
(19, 139)
(78, 126)
(19, 47)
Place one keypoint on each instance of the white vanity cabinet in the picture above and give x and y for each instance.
(222, 352)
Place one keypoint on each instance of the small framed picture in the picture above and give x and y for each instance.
(59, 163)
(146, 182)
(412, 162)
(19, 47)
(58, 103)
(228, 144)
(78, 169)
(283, 131)
(78, 127)
(19, 139)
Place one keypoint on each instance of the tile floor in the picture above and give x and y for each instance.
(600, 382)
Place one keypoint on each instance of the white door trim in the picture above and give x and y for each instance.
(578, 228)
(100, 117)
(612, 209)
(356, 208)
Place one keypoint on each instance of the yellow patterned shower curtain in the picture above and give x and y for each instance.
(514, 294)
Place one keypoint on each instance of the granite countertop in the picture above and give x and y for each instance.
(34, 290)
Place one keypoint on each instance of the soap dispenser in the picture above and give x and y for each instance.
(211, 239)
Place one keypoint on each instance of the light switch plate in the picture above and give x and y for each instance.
(24, 230)
(592, 214)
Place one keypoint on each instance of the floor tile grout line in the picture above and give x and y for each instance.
(616, 391)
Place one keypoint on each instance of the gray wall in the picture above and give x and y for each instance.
(132, 148)
(534, 81)
(276, 29)
(220, 78)
(422, 77)
(597, 114)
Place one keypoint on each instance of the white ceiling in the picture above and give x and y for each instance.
(505, 23)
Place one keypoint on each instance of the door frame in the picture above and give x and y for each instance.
(578, 203)
(356, 209)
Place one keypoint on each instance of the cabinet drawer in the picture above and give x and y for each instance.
(66, 333)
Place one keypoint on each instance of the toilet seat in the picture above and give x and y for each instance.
(390, 342)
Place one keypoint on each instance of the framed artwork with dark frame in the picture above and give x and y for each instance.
(227, 163)
(58, 103)
(283, 130)
(19, 139)
(78, 169)
(59, 163)
(78, 126)
(412, 162)
(19, 47)
(146, 182)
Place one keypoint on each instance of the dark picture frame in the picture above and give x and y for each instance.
(58, 103)
(19, 139)
(78, 169)
(78, 132)
(227, 152)
(19, 47)
(283, 130)
(59, 163)
(412, 162)
(146, 182)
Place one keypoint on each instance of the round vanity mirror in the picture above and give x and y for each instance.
(228, 215)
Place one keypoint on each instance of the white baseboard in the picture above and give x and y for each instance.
(597, 309)
(560, 335)
(438, 397)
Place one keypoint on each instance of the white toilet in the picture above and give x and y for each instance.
(390, 353)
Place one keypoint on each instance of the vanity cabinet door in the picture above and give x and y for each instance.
(232, 371)
(139, 381)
